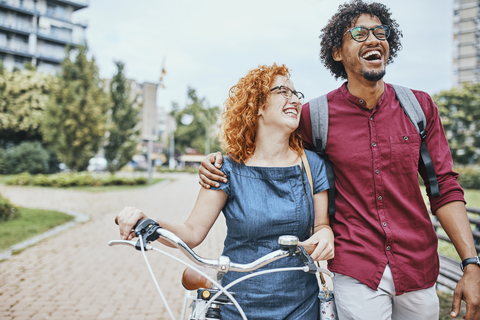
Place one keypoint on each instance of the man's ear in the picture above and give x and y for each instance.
(337, 54)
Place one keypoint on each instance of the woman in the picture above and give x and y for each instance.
(265, 197)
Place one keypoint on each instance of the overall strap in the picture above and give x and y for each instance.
(319, 123)
(415, 113)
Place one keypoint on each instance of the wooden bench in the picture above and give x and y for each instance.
(450, 272)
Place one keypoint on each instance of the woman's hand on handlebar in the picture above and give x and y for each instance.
(126, 220)
(209, 171)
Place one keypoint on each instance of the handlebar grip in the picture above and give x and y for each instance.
(309, 248)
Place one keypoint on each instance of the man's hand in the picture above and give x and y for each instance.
(468, 289)
(323, 240)
(209, 171)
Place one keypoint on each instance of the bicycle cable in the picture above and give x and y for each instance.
(222, 289)
(154, 279)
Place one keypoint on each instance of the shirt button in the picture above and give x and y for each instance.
(374, 144)
(388, 248)
(377, 171)
(371, 118)
(384, 224)
(361, 101)
(405, 138)
(380, 198)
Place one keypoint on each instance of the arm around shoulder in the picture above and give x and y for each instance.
(209, 171)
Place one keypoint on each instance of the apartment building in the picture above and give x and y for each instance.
(37, 31)
(466, 42)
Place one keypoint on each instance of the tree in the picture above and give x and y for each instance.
(75, 117)
(122, 135)
(23, 99)
(192, 122)
(460, 112)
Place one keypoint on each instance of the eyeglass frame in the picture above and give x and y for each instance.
(385, 27)
(296, 93)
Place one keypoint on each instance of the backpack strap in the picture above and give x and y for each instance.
(415, 113)
(319, 123)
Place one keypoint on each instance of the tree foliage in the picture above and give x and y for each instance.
(192, 122)
(75, 117)
(460, 112)
(122, 135)
(23, 99)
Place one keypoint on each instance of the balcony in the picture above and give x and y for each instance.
(51, 56)
(76, 4)
(15, 48)
(19, 8)
(16, 26)
(55, 37)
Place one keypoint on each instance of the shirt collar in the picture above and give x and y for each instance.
(388, 90)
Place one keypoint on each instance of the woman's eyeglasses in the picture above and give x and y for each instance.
(287, 93)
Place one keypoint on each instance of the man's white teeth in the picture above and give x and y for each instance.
(369, 54)
(291, 111)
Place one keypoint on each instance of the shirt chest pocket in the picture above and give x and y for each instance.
(404, 153)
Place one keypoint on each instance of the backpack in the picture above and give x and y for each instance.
(413, 110)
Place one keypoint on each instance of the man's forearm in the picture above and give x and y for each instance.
(454, 220)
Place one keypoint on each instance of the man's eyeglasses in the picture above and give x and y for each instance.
(287, 93)
(361, 34)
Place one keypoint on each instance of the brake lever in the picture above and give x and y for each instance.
(303, 256)
(127, 243)
(147, 230)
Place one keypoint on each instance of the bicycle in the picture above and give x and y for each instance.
(210, 294)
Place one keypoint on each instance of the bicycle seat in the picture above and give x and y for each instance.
(191, 280)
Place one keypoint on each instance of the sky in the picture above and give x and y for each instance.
(209, 45)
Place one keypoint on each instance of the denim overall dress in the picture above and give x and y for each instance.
(263, 204)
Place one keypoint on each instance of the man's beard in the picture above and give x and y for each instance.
(374, 76)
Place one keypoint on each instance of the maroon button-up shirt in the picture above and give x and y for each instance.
(380, 213)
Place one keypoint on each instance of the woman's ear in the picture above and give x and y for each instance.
(260, 111)
(337, 54)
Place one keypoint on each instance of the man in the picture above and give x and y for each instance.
(386, 260)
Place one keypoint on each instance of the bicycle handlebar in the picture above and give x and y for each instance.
(150, 230)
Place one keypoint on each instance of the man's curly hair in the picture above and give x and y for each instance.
(346, 16)
(240, 116)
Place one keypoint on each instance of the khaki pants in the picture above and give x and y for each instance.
(356, 301)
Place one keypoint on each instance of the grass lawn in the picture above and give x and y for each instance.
(30, 223)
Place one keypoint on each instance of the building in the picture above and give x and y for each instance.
(153, 121)
(466, 44)
(37, 31)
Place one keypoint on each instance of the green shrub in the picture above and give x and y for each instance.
(65, 180)
(469, 177)
(7, 210)
(28, 156)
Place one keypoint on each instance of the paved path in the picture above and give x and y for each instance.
(76, 275)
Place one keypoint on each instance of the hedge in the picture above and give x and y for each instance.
(63, 180)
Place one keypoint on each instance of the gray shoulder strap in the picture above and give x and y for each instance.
(319, 120)
(410, 105)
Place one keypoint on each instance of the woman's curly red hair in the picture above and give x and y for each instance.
(240, 116)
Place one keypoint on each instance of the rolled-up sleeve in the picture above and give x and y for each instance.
(439, 150)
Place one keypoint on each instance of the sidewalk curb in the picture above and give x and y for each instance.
(79, 218)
